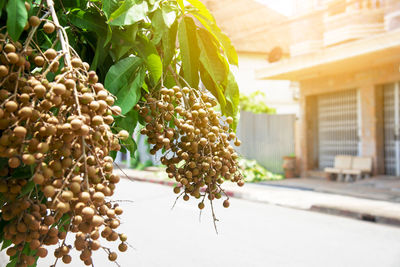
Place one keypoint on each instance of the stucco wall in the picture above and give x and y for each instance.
(369, 83)
(279, 94)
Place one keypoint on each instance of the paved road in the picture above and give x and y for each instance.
(250, 234)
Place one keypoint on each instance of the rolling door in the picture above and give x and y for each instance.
(338, 126)
(391, 112)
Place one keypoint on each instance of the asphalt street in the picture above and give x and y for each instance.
(250, 234)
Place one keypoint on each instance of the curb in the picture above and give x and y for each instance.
(356, 215)
(316, 208)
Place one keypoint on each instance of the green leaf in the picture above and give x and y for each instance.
(211, 59)
(130, 94)
(189, 50)
(101, 52)
(215, 89)
(120, 51)
(153, 5)
(13, 262)
(169, 15)
(148, 52)
(169, 43)
(232, 99)
(130, 12)
(125, 36)
(17, 16)
(157, 22)
(89, 21)
(22, 172)
(6, 244)
(118, 75)
(130, 145)
(128, 122)
(224, 40)
(2, 4)
(109, 6)
(27, 188)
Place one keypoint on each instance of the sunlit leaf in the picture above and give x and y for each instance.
(189, 50)
(181, 5)
(232, 99)
(215, 89)
(202, 9)
(169, 15)
(225, 42)
(109, 6)
(210, 58)
(169, 43)
(158, 25)
(130, 12)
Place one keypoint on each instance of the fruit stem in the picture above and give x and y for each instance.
(61, 33)
(32, 32)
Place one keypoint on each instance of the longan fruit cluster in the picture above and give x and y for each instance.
(195, 139)
(61, 130)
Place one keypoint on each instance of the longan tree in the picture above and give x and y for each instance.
(76, 77)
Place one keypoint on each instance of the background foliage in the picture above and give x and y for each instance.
(255, 103)
(254, 172)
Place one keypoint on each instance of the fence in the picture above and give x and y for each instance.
(267, 138)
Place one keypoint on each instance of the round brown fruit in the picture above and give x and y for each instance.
(34, 21)
(123, 247)
(112, 256)
(48, 27)
(226, 203)
(39, 61)
(3, 71)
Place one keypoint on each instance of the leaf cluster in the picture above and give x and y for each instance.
(255, 103)
(141, 45)
(254, 172)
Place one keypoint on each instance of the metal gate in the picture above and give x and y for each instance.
(338, 126)
(266, 138)
(391, 116)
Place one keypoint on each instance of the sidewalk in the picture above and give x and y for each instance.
(304, 198)
(384, 188)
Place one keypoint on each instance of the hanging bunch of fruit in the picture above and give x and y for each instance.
(197, 150)
(62, 119)
(60, 130)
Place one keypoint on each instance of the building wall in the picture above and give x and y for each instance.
(369, 83)
(279, 93)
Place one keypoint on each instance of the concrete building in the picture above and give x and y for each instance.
(345, 54)
(245, 22)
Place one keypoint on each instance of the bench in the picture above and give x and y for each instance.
(345, 167)
(341, 163)
(360, 167)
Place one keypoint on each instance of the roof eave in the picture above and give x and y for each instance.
(353, 56)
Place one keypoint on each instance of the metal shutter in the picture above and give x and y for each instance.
(391, 113)
(337, 126)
